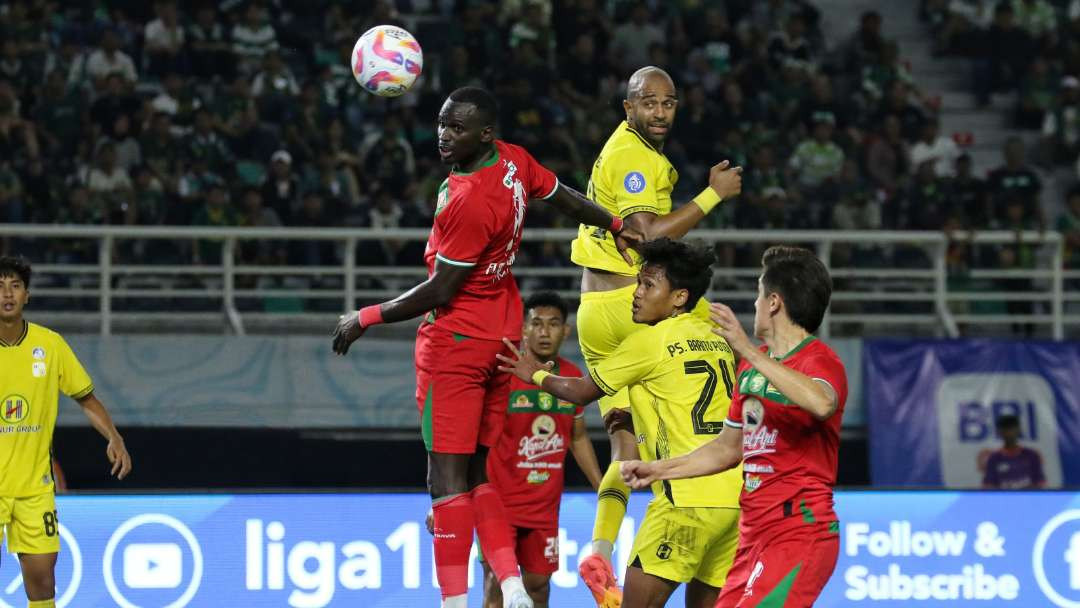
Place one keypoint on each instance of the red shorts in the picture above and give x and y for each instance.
(461, 395)
(537, 549)
(788, 570)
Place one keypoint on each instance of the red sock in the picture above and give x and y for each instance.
(496, 541)
(454, 522)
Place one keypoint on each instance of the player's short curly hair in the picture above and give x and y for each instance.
(548, 298)
(801, 280)
(484, 101)
(686, 265)
(16, 267)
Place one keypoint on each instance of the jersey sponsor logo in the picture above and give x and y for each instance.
(537, 477)
(752, 483)
(634, 182)
(39, 353)
(522, 401)
(546, 402)
(757, 468)
(663, 551)
(499, 270)
(757, 438)
(544, 441)
(37, 369)
(14, 408)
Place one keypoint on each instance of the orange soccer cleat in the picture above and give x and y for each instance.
(599, 578)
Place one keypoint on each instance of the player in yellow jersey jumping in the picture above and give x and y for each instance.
(679, 378)
(36, 365)
(633, 179)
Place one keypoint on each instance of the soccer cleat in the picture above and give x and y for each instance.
(518, 599)
(599, 578)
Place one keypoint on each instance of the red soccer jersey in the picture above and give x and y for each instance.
(526, 465)
(478, 222)
(789, 458)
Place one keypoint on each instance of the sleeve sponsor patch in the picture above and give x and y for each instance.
(634, 182)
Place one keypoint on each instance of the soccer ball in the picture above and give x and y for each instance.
(387, 60)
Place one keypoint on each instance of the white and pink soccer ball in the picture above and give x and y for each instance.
(387, 60)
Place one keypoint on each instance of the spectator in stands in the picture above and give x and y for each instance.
(865, 45)
(1068, 225)
(109, 59)
(204, 143)
(818, 159)
(255, 215)
(789, 45)
(964, 23)
(1013, 466)
(275, 89)
(59, 115)
(386, 212)
(12, 207)
(151, 201)
(12, 66)
(18, 137)
(533, 25)
(215, 211)
(631, 40)
(160, 151)
(79, 210)
(312, 213)
(480, 40)
(387, 157)
(337, 183)
(940, 150)
(110, 187)
(115, 101)
(1038, 92)
(281, 191)
(252, 38)
(1039, 19)
(193, 187)
(1005, 52)
(211, 54)
(303, 133)
(1061, 125)
(163, 40)
(128, 152)
(925, 205)
(968, 194)
(580, 77)
(899, 102)
(1015, 180)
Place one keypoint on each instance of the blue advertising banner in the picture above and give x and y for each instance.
(932, 406)
(318, 550)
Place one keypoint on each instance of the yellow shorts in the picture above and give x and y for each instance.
(30, 524)
(682, 544)
(604, 320)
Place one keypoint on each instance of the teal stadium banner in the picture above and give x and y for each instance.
(277, 381)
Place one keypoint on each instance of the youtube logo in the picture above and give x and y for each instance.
(153, 566)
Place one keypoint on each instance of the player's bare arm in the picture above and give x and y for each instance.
(725, 181)
(116, 451)
(436, 291)
(814, 396)
(720, 454)
(523, 365)
(577, 206)
(584, 454)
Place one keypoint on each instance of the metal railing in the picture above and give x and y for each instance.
(884, 298)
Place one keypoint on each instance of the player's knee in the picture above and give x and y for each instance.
(40, 584)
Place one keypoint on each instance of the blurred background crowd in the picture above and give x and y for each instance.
(246, 114)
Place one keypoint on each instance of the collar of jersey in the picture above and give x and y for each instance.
(642, 138)
(798, 347)
(22, 336)
(489, 163)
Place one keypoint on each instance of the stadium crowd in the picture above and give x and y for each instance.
(246, 114)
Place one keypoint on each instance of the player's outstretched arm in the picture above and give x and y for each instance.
(718, 455)
(584, 454)
(814, 396)
(724, 182)
(580, 390)
(116, 451)
(577, 206)
(437, 291)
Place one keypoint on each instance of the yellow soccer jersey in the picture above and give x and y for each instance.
(629, 176)
(33, 372)
(680, 377)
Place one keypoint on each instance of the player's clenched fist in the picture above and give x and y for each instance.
(638, 474)
(725, 180)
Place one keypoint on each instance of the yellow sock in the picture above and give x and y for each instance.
(41, 604)
(611, 502)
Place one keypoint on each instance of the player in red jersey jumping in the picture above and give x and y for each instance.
(526, 466)
(471, 302)
(784, 425)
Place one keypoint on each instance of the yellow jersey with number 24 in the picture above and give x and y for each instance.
(681, 378)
